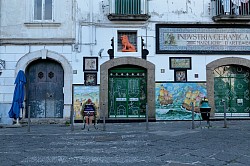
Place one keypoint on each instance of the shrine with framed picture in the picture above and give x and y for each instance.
(90, 79)
(90, 64)
(180, 65)
(180, 75)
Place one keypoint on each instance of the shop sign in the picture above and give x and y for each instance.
(202, 39)
(121, 99)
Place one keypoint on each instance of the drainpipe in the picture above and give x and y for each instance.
(91, 26)
(0, 16)
(78, 31)
(79, 36)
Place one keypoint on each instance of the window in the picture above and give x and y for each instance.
(128, 10)
(230, 10)
(128, 6)
(43, 10)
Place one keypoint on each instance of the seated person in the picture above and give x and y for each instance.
(88, 111)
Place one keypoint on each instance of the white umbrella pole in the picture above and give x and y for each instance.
(17, 119)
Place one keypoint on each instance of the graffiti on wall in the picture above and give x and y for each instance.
(174, 100)
(81, 94)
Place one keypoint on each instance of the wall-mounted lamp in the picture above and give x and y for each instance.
(100, 52)
(144, 52)
(2, 66)
(111, 51)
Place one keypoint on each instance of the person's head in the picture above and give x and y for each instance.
(89, 101)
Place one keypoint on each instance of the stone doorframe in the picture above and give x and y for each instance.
(23, 63)
(210, 76)
(116, 62)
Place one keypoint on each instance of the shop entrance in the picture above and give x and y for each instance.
(127, 92)
(45, 81)
(232, 83)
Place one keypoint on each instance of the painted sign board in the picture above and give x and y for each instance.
(200, 38)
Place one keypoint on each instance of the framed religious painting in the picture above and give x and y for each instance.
(90, 64)
(90, 79)
(180, 63)
(180, 75)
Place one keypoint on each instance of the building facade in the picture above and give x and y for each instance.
(131, 57)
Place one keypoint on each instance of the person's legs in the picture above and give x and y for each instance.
(90, 120)
(86, 120)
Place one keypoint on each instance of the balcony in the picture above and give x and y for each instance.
(231, 10)
(128, 10)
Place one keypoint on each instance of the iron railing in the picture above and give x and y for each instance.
(128, 7)
(231, 7)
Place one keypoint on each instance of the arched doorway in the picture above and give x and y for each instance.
(127, 92)
(44, 89)
(223, 81)
(28, 58)
(120, 67)
(232, 84)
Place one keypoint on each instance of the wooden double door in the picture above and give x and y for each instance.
(127, 92)
(44, 89)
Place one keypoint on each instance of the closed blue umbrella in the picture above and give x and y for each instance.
(18, 97)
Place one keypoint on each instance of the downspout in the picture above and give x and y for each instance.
(91, 34)
(78, 31)
(79, 35)
(0, 18)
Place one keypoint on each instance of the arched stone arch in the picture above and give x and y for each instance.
(68, 78)
(210, 76)
(116, 62)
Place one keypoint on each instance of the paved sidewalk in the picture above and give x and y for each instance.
(172, 143)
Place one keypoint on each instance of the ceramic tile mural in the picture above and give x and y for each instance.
(173, 100)
(81, 94)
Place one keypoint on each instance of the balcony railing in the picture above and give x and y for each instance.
(132, 10)
(231, 10)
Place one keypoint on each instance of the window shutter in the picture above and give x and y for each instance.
(127, 6)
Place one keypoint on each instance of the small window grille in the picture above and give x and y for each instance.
(40, 75)
(51, 74)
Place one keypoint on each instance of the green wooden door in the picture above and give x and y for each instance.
(231, 83)
(127, 93)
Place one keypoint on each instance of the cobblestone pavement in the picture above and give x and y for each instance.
(171, 143)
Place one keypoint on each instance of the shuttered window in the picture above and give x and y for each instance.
(127, 6)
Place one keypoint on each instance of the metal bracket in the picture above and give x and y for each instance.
(2, 64)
